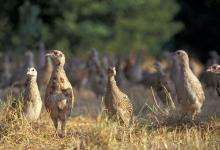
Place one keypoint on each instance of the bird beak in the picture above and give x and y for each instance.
(28, 72)
(49, 54)
(209, 70)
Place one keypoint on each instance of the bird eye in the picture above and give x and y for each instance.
(32, 70)
(214, 67)
(55, 53)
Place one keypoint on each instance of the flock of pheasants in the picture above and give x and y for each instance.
(106, 79)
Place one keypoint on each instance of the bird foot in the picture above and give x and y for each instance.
(61, 135)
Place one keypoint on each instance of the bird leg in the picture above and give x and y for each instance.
(63, 126)
(55, 122)
(193, 116)
(182, 117)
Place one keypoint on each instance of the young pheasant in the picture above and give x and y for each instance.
(190, 92)
(215, 69)
(116, 102)
(164, 86)
(32, 100)
(59, 96)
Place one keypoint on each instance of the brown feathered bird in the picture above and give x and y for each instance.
(164, 86)
(215, 69)
(190, 92)
(97, 75)
(115, 101)
(32, 99)
(208, 78)
(59, 96)
(45, 74)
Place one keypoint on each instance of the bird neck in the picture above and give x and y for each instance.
(112, 82)
(58, 67)
(58, 70)
(31, 81)
(48, 64)
(185, 65)
(185, 69)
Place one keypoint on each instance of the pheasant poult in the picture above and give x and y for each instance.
(59, 96)
(190, 92)
(32, 99)
(164, 86)
(215, 69)
(115, 101)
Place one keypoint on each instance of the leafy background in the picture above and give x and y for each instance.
(112, 25)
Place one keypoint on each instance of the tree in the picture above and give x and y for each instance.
(201, 26)
(81, 24)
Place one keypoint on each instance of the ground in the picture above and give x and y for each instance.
(154, 127)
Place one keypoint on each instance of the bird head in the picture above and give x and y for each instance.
(182, 57)
(31, 72)
(29, 53)
(111, 71)
(157, 66)
(94, 56)
(57, 57)
(215, 68)
(213, 54)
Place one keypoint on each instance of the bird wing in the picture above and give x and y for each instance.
(69, 100)
(124, 109)
(218, 89)
(195, 89)
(47, 96)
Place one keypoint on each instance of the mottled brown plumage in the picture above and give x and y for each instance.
(59, 96)
(164, 86)
(190, 93)
(115, 101)
(32, 100)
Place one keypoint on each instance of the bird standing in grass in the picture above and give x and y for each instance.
(215, 69)
(32, 100)
(190, 92)
(164, 87)
(115, 101)
(59, 96)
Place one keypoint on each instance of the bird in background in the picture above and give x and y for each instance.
(42, 53)
(45, 74)
(164, 87)
(97, 75)
(215, 69)
(6, 74)
(18, 78)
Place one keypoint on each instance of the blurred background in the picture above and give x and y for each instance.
(112, 25)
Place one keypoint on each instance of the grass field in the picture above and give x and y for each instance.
(154, 127)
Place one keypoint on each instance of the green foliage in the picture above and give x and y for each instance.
(117, 25)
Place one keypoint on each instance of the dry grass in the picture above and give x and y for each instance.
(154, 127)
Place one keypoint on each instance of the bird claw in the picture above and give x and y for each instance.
(61, 134)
